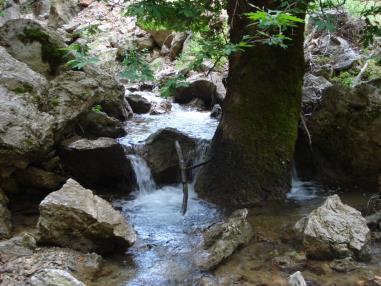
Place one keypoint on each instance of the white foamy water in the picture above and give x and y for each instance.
(187, 120)
(144, 179)
(303, 190)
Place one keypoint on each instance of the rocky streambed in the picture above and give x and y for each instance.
(90, 191)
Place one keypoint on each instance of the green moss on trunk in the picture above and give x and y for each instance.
(254, 144)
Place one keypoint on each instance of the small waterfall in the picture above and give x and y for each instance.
(300, 190)
(143, 174)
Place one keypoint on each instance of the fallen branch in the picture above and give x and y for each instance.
(306, 129)
(184, 180)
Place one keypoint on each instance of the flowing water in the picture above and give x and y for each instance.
(167, 241)
(164, 252)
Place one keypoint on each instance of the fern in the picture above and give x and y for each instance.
(81, 56)
(136, 67)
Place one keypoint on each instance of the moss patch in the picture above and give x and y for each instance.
(51, 52)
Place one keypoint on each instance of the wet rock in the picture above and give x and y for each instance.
(197, 87)
(99, 163)
(62, 11)
(5, 217)
(161, 108)
(297, 279)
(74, 217)
(197, 104)
(216, 112)
(345, 135)
(291, 262)
(344, 265)
(334, 230)
(374, 221)
(221, 240)
(40, 179)
(54, 277)
(18, 246)
(138, 103)
(95, 124)
(25, 261)
(33, 44)
(160, 154)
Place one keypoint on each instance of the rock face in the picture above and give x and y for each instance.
(75, 92)
(30, 260)
(139, 104)
(54, 277)
(334, 230)
(98, 163)
(30, 43)
(5, 217)
(98, 124)
(346, 137)
(313, 89)
(25, 132)
(39, 179)
(160, 153)
(221, 240)
(177, 44)
(74, 217)
(216, 112)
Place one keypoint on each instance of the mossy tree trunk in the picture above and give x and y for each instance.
(253, 148)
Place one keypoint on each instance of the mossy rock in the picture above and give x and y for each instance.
(39, 47)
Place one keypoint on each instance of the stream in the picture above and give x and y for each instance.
(167, 241)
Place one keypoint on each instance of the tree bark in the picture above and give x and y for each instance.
(253, 147)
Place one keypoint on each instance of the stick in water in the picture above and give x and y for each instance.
(184, 180)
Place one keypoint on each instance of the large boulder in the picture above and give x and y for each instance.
(95, 124)
(54, 277)
(5, 217)
(26, 133)
(74, 93)
(74, 217)
(139, 103)
(345, 132)
(334, 230)
(160, 153)
(62, 11)
(35, 45)
(222, 239)
(99, 163)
